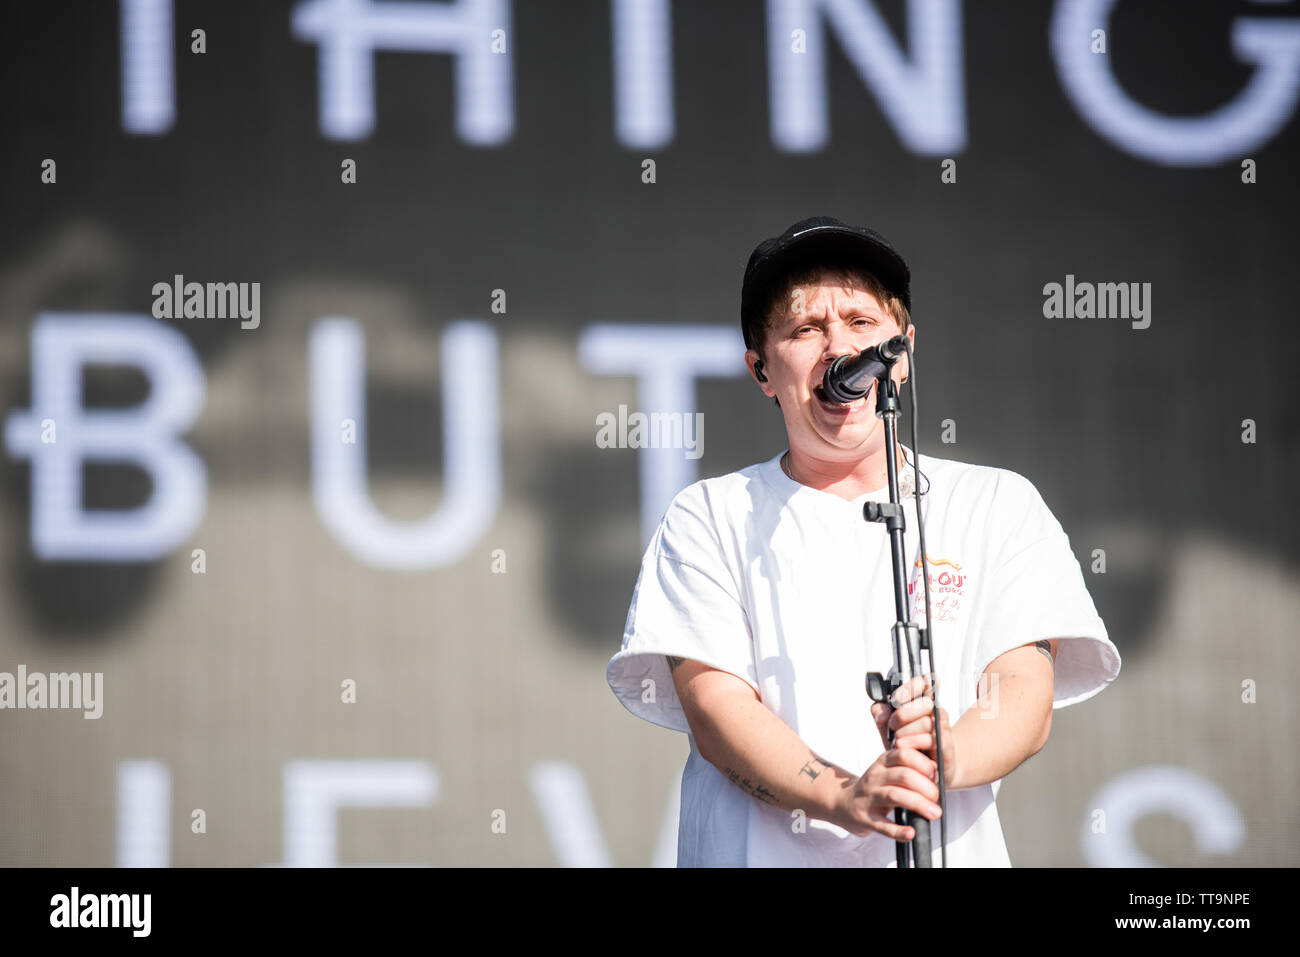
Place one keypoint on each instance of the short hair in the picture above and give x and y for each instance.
(808, 271)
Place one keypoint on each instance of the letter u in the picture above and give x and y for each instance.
(471, 452)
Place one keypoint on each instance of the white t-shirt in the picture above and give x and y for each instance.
(791, 589)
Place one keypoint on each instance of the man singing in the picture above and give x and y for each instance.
(764, 599)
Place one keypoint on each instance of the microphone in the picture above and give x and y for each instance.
(850, 377)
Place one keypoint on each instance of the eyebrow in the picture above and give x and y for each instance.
(864, 312)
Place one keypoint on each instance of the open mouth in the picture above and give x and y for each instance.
(839, 407)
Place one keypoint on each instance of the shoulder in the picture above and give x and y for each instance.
(1001, 509)
(1010, 503)
(984, 480)
(712, 494)
(703, 508)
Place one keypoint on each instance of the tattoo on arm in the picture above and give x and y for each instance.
(758, 791)
(814, 767)
(1046, 648)
(673, 662)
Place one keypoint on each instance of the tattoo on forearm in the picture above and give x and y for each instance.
(814, 767)
(673, 662)
(758, 791)
(1046, 648)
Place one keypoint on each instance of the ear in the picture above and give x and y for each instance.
(902, 368)
(756, 368)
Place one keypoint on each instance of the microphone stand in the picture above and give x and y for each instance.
(908, 638)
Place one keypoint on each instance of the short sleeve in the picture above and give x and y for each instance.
(687, 604)
(1037, 592)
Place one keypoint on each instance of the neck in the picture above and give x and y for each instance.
(849, 479)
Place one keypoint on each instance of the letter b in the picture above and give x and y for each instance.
(63, 344)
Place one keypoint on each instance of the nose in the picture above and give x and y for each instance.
(839, 342)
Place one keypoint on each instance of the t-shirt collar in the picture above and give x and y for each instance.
(776, 477)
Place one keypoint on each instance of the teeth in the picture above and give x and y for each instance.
(841, 405)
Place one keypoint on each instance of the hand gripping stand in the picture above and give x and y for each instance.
(909, 639)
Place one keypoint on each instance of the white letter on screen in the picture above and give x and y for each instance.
(144, 804)
(471, 448)
(350, 31)
(643, 72)
(1212, 816)
(148, 84)
(922, 97)
(666, 361)
(63, 344)
(315, 790)
(1253, 117)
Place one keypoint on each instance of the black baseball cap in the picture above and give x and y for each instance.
(803, 244)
